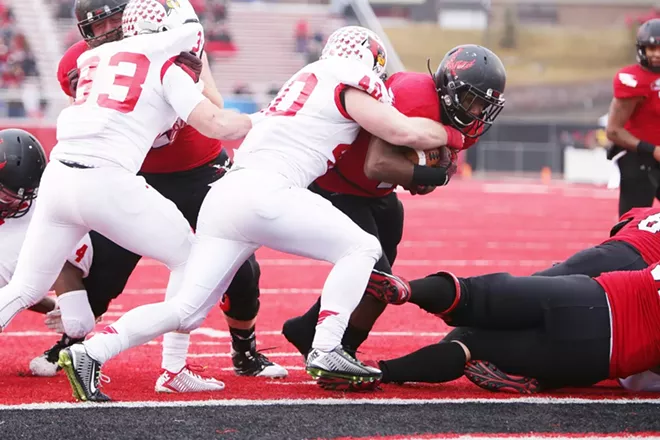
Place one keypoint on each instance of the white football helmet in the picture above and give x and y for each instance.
(151, 16)
(357, 43)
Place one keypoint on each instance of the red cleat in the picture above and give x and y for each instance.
(487, 376)
(388, 288)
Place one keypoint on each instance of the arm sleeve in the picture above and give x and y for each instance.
(180, 90)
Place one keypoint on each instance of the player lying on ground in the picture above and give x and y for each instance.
(181, 165)
(90, 182)
(465, 93)
(553, 332)
(313, 120)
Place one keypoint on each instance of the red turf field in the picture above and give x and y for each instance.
(471, 228)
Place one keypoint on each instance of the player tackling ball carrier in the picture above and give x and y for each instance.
(305, 129)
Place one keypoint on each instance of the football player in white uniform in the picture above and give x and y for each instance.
(313, 119)
(22, 163)
(100, 21)
(129, 91)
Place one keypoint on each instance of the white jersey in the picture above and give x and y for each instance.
(12, 236)
(305, 128)
(129, 93)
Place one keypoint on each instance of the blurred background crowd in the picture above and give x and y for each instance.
(560, 55)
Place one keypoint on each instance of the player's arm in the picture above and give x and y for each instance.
(630, 89)
(387, 123)
(47, 304)
(620, 112)
(198, 111)
(210, 88)
(70, 279)
(388, 163)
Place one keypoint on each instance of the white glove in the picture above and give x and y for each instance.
(53, 320)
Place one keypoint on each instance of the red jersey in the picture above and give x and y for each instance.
(642, 232)
(634, 81)
(634, 299)
(181, 148)
(414, 95)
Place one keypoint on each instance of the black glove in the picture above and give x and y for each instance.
(73, 76)
(189, 62)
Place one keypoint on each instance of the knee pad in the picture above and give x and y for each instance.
(241, 300)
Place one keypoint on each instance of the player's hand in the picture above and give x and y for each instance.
(73, 76)
(422, 190)
(656, 153)
(53, 321)
(191, 63)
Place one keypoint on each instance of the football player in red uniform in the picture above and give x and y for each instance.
(180, 166)
(634, 244)
(544, 332)
(633, 122)
(466, 93)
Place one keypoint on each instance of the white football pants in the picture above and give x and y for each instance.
(243, 211)
(109, 200)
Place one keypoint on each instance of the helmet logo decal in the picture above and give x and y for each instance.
(377, 51)
(454, 65)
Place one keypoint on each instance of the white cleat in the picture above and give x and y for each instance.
(188, 380)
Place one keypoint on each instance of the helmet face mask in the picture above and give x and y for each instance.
(92, 12)
(22, 163)
(13, 205)
(470, 81)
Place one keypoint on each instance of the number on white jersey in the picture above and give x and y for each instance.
(650, 224)
(131, 83)
(292, 97)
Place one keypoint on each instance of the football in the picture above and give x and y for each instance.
(430, 158)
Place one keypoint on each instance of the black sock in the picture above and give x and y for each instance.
(243, 340)
(435, 294)
(301, 330)
(311, 316)
(436, 363)
(353, 338)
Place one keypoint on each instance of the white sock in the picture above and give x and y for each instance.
(341, 294)
(77, 316)
(136, 327)
(175, 351)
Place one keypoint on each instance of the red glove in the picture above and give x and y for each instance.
(190, 63)
(455, 139)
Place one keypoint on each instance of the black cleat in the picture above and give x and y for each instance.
(46, 365)
(255, 363)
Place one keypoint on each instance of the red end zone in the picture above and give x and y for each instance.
(470, 228)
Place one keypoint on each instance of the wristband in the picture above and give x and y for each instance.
(645, 148)
(428, 176)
